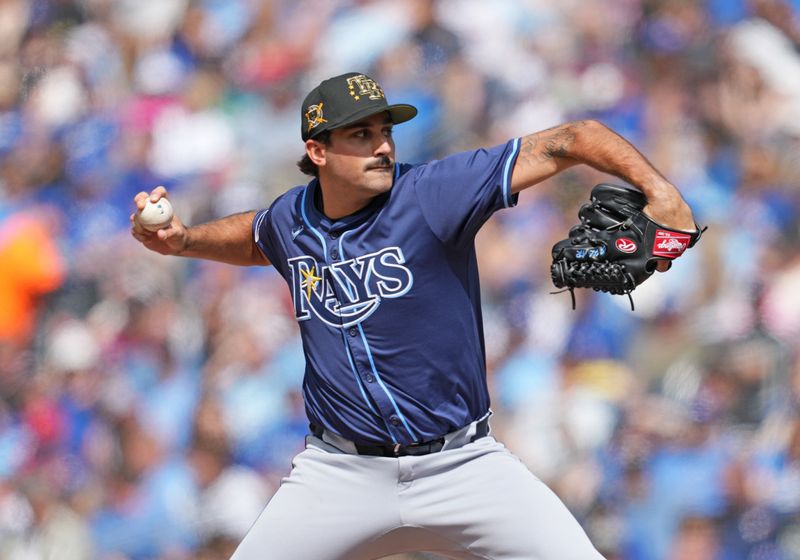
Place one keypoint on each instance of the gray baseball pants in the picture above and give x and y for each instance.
(469, 501)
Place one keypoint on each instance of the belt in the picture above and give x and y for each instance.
(400, 450)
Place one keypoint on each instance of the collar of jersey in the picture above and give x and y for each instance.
(324, 223)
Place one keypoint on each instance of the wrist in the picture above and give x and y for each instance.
(671, 212)
(186, 242)
(659, 190)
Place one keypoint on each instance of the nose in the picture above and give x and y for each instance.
(384, 147)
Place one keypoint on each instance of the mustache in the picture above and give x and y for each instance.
(383, 161)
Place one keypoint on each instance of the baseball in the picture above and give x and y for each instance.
(156, 215)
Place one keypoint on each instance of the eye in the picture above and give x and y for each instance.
(362, 133)
(387, 132)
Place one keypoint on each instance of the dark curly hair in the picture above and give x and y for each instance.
(305, 164)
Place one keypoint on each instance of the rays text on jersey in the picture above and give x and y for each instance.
(345, 293)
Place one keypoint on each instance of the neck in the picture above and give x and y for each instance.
(337, 203)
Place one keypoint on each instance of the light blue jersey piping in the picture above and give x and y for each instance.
(344, 338)
(347, 348)
(311, 228)
(385, 389)
(507, 174)
(372, 361)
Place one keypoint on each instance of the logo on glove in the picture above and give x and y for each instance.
(670, 244)
(626, 245)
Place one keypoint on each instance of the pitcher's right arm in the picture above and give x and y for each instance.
(228, 240)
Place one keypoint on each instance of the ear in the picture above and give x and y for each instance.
(316, 152)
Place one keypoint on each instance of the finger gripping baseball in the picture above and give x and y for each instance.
(616, 246)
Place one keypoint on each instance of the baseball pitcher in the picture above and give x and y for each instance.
(380, 260)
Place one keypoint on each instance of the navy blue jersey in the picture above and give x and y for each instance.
(388, 299)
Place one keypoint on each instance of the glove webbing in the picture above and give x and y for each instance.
(600, 276)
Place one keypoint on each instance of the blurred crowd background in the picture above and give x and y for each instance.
(149, 406)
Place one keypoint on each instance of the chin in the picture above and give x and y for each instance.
(379, 185)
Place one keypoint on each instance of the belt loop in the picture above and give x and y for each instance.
(342, 444)
(482, 429)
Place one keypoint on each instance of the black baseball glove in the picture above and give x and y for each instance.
(616, 246)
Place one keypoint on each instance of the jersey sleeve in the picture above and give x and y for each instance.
(460, 192)
(263, 234)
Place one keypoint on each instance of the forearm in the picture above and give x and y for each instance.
(590, 142)
(229, 240)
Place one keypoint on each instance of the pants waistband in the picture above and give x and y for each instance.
(467, 434)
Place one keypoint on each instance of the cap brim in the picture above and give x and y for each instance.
(398, 113)
(402, 112)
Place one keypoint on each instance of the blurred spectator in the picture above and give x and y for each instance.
(697, 539)
(231, 496)
(55, 530)
(30, 267)
(149, 507)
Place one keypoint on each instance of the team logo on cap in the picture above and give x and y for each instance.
(314, 116)
(364, 85)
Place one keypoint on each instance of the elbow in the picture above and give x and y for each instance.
(589, 126)
(585, 137)
(595, 124)
(573, 140)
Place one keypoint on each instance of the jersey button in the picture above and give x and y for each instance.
(394, 420)
(333, 234)
(352, 331)
(334, 254)
(369, 378)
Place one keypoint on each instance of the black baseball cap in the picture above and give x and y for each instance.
(345, 99)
